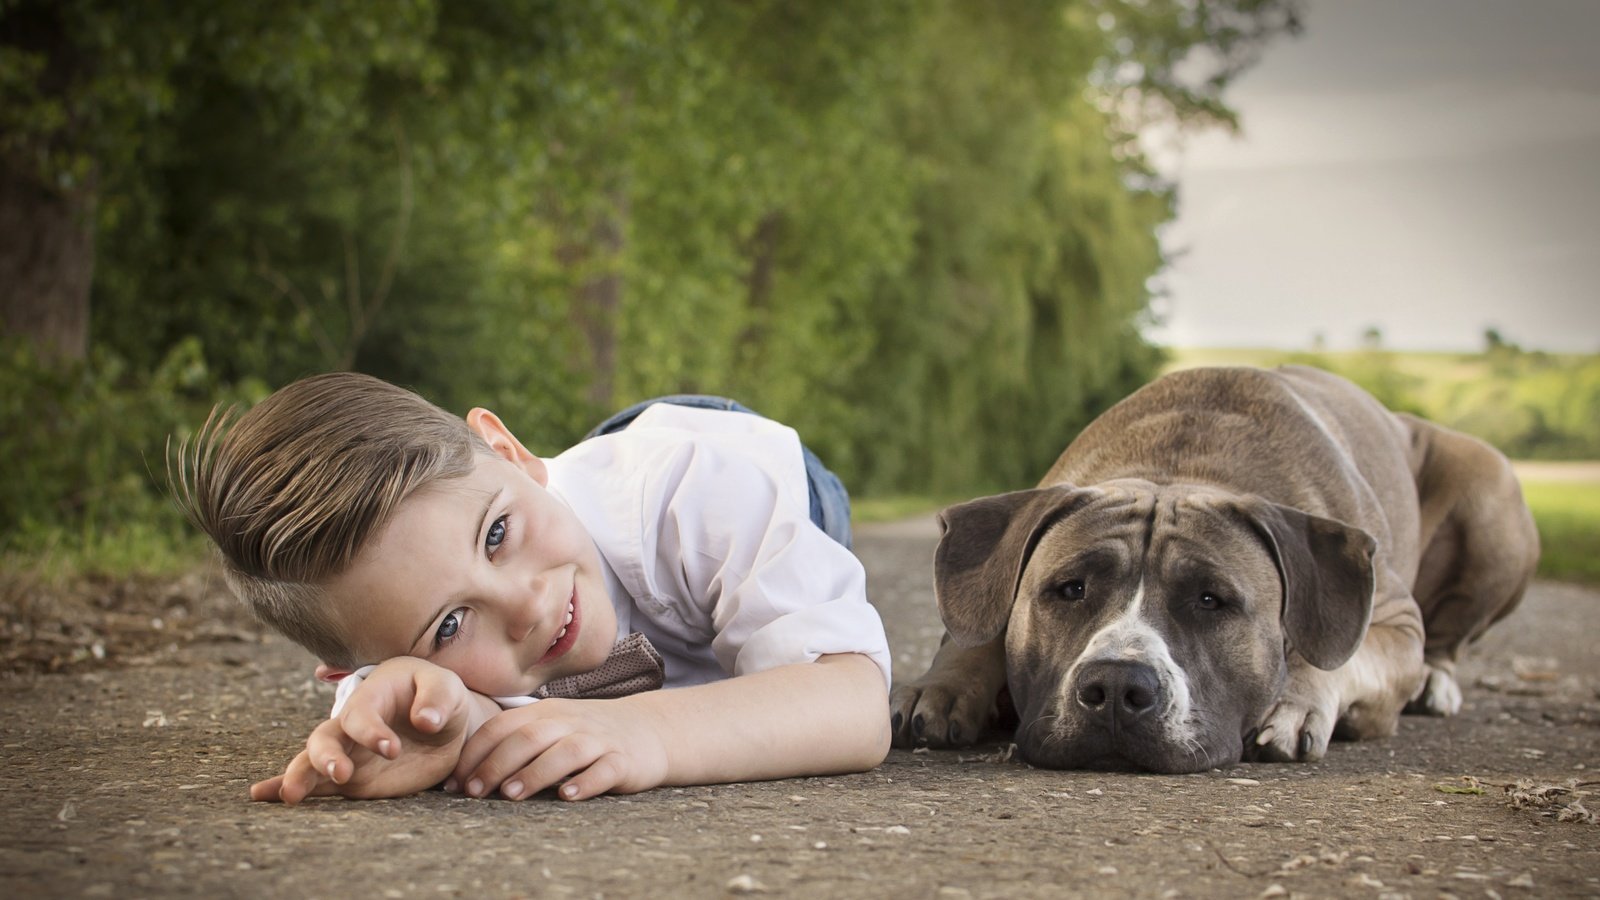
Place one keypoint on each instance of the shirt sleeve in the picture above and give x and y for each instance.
(738, 557)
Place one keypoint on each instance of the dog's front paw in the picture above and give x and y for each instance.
(1440, 696)
(1297, 729)
(934, 714)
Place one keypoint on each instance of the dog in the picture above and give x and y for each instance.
(1229, 564)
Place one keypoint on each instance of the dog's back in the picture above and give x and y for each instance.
(1315, 442)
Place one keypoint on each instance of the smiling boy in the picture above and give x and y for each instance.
(447, 577)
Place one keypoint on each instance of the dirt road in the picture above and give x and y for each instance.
(131, 782)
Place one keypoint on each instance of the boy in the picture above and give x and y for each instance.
(456, 567)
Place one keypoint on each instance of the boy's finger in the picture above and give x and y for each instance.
(480, 745)
(298, 780)
(266, 790)
(500, 750)
(365, 726)
(328, 750)
(439, 694)
(606, 773)
(568, 755)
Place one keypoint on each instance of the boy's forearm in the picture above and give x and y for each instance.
(820, 718)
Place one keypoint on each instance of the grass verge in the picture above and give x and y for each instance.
(1568, 515)
(899, 506)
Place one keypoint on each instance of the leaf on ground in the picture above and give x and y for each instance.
(1562, 802)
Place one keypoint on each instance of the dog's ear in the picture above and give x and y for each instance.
(1328, 581)
(984, 547)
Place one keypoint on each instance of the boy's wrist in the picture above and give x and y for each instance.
(480, 709)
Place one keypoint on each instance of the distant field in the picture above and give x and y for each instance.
(1431, 366)
(1430, 380)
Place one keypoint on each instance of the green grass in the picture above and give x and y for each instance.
(897, 506)
(1568, 514)
(131, 549)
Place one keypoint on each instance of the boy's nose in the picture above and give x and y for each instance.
(518, 612)
(521, 616)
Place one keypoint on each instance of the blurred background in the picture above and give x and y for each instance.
(937, 237)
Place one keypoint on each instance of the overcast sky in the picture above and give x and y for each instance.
(1428, 167)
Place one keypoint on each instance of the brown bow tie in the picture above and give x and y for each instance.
(633, 666)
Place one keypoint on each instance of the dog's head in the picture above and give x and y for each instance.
(1149, 627)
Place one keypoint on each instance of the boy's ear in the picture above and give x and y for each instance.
(330, 675)
(505, 445)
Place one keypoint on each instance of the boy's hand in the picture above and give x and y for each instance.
(603, 745)
(400, 732)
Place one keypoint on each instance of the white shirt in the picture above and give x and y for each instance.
(702, 519)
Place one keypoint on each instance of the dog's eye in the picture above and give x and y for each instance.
(1069, 590)
(1209, 601)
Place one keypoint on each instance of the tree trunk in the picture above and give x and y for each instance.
(46, 264)
(762, 248)
(599, 301)
(46, 231)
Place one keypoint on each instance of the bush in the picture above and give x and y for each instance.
(85, 444)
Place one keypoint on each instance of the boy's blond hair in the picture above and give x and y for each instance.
(291, 491)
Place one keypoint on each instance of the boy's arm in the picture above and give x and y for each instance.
(820, 718)
(824, 717)
(401, 731)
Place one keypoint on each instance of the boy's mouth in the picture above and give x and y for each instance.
(567, 636)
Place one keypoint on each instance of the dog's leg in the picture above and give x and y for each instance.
(1480, 548)
(953, 703)
(1362, 698)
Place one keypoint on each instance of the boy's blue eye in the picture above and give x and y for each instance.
(496, 535)
(447, 628)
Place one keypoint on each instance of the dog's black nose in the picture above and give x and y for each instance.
(1126, 690)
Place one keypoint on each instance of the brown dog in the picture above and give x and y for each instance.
(1229, 563)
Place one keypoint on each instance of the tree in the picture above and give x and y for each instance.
(93, 95)
(920, 232)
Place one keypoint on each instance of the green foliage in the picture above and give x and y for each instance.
(1530, 405)
(919, 232)
(85, 451)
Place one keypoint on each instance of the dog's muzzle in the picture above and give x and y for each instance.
(1118, 695)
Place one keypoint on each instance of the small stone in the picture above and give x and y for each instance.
(1246, 782)
(897, 829)
(1106, 870)
(1274, 890)
(1525, 880)
(745, 884)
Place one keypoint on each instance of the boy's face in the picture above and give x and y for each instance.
(489, 575)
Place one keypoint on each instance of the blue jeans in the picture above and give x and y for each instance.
(830, 502)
